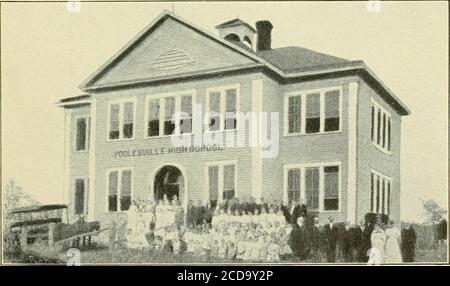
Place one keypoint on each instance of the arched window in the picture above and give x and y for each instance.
(247, 42)
(232, 38)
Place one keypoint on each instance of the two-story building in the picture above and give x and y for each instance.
(334, 126)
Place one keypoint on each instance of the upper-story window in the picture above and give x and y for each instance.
(310, 112)
(169, 114)
(82, 133)
(380, 127)
(121, 120)
(222, 106)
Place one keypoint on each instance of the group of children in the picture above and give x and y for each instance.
(243, 236)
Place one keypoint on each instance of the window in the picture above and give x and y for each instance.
(80, 206)
(228, 182)
(213, 182)
(332, 110)
(186, 115)
(331, 200)
(230, 109)
(214, 109)
(294, 114)
(121, 120)
(221, 177)
(82, 134)
(380, 127)
(318, 183)
(312, 112)
(222, 107)
(312, 188)
(119, 190)
(380, 193)
(169, 114)
(169, 125)
(293, 185)
(153, 118)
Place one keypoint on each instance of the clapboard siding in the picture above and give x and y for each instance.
(370, 157)
(320, 148)
(193, 164)
(78, 160)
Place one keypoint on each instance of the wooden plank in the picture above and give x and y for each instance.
(92, 233)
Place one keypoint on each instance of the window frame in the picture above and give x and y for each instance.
(162, 112)
(384, 182)
(119, 170)
(87, 133)
(223, 92)
(303, 99)
(321, 166)
(121, 102)
(385, 133)
(220, 181)
(85, 196)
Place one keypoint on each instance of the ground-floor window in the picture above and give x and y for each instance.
(119, 189)
(317, 185)
(380, 193)
(221, 180)
(80, 199)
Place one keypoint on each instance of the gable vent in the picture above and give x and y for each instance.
(171, 60)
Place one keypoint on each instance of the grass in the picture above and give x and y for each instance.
(96, 254)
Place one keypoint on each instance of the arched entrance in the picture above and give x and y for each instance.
(168, 181)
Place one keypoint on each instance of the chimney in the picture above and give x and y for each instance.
(264, 32)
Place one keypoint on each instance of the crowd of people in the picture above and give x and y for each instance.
(266, 232)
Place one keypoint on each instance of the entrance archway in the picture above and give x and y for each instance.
(169, 181)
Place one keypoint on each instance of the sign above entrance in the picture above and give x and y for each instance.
(147, 152)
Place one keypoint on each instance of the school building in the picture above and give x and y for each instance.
(334, 125)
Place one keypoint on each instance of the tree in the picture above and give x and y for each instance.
(14, 197)
(433, 212)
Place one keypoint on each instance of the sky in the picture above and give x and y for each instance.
(47, 52)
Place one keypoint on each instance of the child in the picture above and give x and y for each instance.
(254, 249)
(283, 237)
(231, 253)
(241, 244)
(263, 218)
(215, 248)
(222, 249)
(189, 239)
(264, 246)
(274, 250)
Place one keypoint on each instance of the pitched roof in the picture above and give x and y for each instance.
(287, 62)
(297, 59)
(235, 22)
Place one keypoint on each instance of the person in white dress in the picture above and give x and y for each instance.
(132, 225)
(378, 241)
(393, 254)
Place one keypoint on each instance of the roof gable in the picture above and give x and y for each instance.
(167, 47)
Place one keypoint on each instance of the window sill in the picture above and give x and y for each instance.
(168, 136)
(330, 211)
(81, 151)
(118, 212)
(120, 139)
(309, 134)
(221, 131)
(381, 149)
